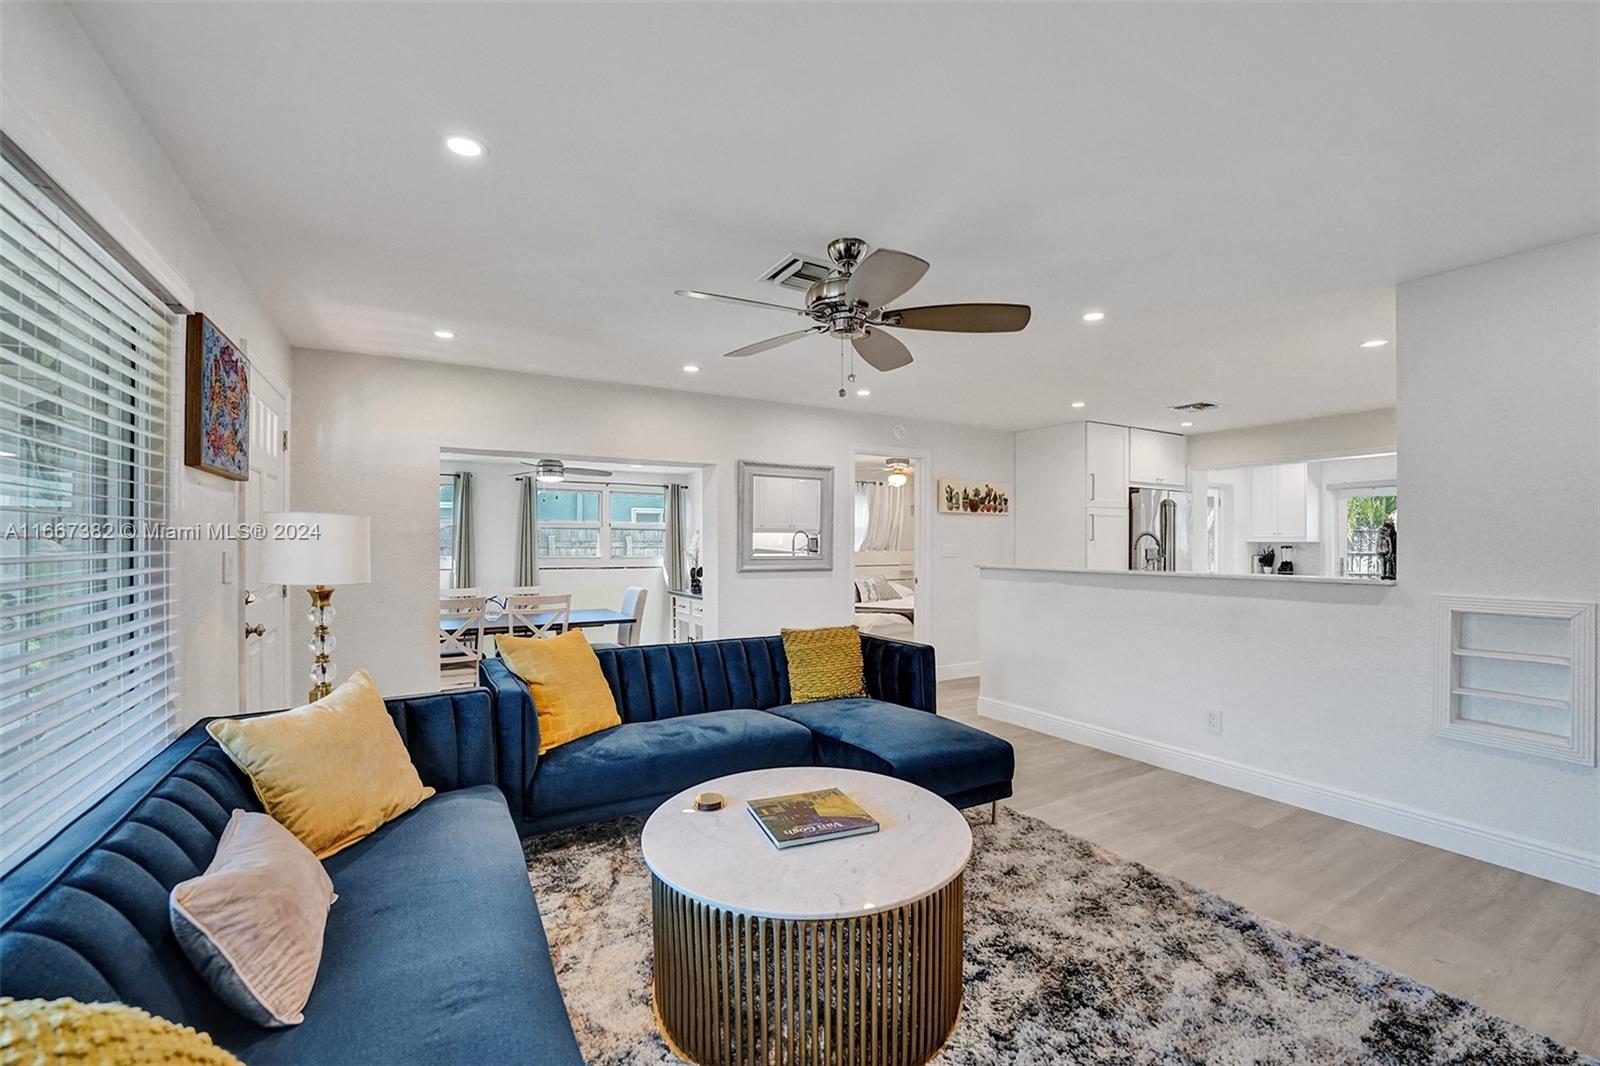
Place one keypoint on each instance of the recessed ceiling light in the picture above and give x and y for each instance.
(1376, 342)
(464, 146)
(636, 466)
(444, 334)
(690, 368)
(1093, 316)
(863, 392)
(1077, 403)
(1186, 424)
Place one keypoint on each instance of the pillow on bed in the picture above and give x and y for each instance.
(867, 590)
(902, 590)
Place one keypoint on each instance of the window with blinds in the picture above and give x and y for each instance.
(85, 598)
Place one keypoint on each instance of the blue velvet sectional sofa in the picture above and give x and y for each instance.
(692, 712)
(434, 951)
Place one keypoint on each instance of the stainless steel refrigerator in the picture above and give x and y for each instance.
(1158, 529)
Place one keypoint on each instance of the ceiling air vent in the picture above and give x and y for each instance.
(797, 271)
(1198, 405)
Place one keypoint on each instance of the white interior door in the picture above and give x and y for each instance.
(264, 649)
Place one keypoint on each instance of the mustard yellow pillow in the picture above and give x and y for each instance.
(36, 1032)
(569, 691)
(332, 771)
(824, 664)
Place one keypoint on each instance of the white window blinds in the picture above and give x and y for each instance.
(85, 598)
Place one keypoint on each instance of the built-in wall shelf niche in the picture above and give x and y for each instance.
(1516, 674)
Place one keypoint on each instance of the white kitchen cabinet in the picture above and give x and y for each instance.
(805, 505)
(1156, 458)
(784, 504)
(1106, 459)
(1107, 539)
(772, 503)
(1283, 504)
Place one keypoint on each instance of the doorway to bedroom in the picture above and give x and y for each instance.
(884, 560)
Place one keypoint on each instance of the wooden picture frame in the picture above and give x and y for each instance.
(216, 423)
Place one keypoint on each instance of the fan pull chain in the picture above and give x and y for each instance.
(842, 392)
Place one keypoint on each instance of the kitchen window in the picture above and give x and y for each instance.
(86, 671)
(623, 525)
(1361, 513)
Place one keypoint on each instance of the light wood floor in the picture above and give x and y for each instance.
(1516, 945)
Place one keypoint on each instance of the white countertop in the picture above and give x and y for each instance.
(1365, 582)
(725, 859)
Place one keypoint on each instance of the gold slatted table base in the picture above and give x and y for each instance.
(736, 990)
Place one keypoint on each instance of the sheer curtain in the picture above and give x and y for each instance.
(462, 571)
(887, 529)
(528, 534)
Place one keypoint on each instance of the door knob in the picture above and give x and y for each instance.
(257, 630)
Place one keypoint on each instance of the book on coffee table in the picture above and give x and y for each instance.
(807, 817)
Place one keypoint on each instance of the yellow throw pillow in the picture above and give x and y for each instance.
(569, 691)
(824, 664)
(64, 1031)
(332, 771)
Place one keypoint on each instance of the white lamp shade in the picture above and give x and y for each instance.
(315, 548)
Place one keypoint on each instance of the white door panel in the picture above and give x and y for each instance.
(264, 650)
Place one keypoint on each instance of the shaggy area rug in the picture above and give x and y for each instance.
(1073, 955)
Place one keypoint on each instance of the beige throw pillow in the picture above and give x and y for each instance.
(252, 924)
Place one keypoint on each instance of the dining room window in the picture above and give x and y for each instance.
(605, 524)
(447, 529)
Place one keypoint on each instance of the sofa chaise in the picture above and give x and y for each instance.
(691, 712)
(434, 952)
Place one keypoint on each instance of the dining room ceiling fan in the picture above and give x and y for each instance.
(852, 302)
(552, 471)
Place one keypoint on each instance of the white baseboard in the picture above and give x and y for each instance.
(1568, 866)
(954, 671)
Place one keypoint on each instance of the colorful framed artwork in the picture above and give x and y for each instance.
(216, 432)
(973, 497)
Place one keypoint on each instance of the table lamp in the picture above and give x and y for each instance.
(317, 550)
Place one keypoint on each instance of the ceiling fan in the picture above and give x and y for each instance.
(550, 471)
(850, 303)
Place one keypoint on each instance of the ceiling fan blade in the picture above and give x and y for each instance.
(881, 351)
(584, 471)
(696, 294)
(772, 342)
(962, 318)
(883, 276)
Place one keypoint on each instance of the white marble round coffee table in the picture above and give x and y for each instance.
(844, 952)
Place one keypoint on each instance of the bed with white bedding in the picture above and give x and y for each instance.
(886, 607)
(892, 626)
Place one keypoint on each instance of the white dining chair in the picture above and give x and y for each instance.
(460, 643)
(632, 606)
(522, 610)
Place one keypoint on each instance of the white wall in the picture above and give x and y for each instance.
(1361, 433)
(62, 106)
(1326, 691)
(370, 432)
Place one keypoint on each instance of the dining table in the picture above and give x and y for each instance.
(579, 618)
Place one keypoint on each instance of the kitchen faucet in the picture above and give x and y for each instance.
(804, 545)
(1161, 552)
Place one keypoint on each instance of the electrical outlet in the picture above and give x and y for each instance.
(1213, 720)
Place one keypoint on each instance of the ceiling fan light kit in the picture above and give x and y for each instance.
(851, 304)
(554, 471)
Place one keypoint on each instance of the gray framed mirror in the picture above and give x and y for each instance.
(785, 517)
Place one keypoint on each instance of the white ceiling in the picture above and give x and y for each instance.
(1238, 186)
